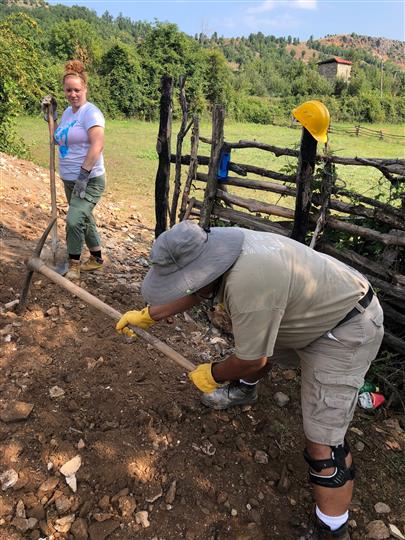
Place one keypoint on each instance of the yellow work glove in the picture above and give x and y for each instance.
(141, 319)
(202, 378)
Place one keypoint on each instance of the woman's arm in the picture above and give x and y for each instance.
(96, 139)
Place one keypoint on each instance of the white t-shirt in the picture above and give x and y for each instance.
(72, 138)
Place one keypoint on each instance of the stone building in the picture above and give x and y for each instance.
(335, 68)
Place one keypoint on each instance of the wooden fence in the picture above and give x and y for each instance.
(358, 131)
(324, 215)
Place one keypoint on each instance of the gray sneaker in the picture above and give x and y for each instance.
(319, 531)
(234, 393)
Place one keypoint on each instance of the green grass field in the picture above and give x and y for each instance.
(131, 159)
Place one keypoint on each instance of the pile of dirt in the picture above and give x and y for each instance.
(102, 436)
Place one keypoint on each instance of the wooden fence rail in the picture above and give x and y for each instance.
(357, 131)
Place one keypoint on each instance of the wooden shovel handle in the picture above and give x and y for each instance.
(37, 265)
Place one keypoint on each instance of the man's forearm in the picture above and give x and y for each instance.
(233, 368)
(167, 310)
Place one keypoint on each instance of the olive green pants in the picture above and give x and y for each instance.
(80, 223)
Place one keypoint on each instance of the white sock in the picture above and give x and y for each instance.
(248, 383)
(334, 522)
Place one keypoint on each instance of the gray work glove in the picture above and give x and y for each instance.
(45, 106)
(81, 183)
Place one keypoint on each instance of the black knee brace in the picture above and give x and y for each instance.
(341, 474)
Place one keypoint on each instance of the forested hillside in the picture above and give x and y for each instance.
(259, 78)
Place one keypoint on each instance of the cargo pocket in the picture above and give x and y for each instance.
(338, 398)
(95, 188)
(374, 327)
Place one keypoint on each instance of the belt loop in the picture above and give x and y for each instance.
(360, 308)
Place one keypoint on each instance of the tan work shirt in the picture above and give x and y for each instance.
(281, 293)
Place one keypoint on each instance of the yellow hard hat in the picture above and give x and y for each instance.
(314, 116)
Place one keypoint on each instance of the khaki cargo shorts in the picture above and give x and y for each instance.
(333, 369)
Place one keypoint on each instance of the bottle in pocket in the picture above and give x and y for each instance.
(370, 400)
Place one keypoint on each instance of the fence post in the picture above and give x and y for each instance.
(381, 135)
(305, 170)
(163, 150)
(192, 170)
(357, 130)
(217, 140)
(180, 137)
(328, 181)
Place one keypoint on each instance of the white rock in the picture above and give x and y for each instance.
(142, 519)
(187, 318)
(81, 444)
(56, 392)
(20, 510)
(32, 522)
(171, 493)
(382, 508)
(72, 482)
(234, 512)
(8, 479)
(377, 530)
(395, 532)
(357, 431)
(6, 329)
(72, 466)
(218, 340)
(281, 399)
(63, 524)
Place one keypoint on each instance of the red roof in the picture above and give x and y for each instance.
(336, 59)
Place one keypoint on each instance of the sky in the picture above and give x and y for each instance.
(298, 18)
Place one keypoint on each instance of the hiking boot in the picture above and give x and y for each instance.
(73, 272)
(234, 393)
(319, 531)
(93, 263)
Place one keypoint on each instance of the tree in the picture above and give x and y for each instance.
(75, 39)
(217, 87)
(20, 74)
(121, 74)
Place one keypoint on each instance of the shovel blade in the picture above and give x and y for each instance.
(60, 267)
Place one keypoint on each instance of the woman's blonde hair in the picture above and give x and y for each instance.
(75, 68)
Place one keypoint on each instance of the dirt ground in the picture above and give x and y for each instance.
(154, 462)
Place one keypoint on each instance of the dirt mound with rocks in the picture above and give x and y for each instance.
(101, 436)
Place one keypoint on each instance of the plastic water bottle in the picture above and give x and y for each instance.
(369, 387)
(370, 400)
(224, 164)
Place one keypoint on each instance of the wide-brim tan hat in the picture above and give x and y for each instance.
(187, 258)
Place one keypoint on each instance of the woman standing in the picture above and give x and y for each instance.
(80, 139)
